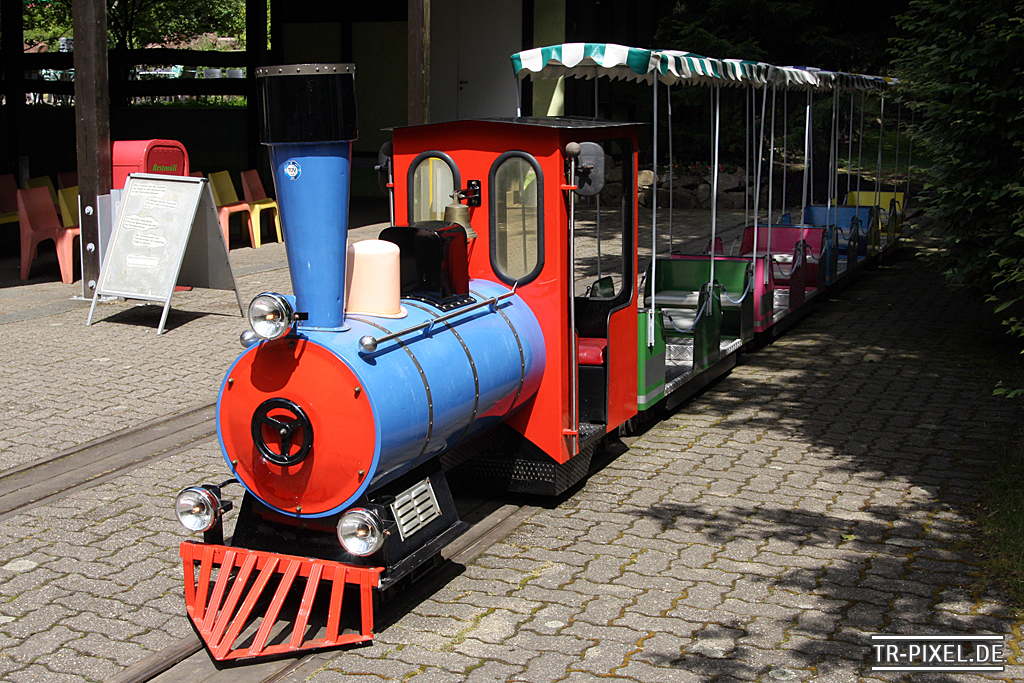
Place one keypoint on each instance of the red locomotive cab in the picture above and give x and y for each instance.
(533, 231)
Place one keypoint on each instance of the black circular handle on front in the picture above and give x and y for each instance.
(285, 427)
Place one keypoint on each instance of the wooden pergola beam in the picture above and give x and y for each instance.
(13, 76)
(92, 122)
(419, 62)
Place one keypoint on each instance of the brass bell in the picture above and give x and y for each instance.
(459, 213)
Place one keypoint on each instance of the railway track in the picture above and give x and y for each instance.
(188, 661)
(97, 461)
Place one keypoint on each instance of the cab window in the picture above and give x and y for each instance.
(433, 178)
(517, 217)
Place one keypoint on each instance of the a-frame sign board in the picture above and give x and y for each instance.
(167, 234)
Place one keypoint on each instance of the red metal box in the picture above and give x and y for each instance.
(147, 156)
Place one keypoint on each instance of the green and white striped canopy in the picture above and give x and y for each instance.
(675, 67)
(586, 60)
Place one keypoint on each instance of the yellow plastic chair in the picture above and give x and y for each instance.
(68, 199)
(8, 199)
(226, 199)
(252, 188)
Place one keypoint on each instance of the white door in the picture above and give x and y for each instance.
(470, 67)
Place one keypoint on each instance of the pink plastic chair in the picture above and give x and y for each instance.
(252, 188)
(38, 221)
(227, 202)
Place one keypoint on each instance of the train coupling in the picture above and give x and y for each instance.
(227, 591)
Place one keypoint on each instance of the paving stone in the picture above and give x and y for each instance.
(449, 661)
(491, 670)
(485, 652)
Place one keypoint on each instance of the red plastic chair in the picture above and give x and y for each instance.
(67, 179)
(38, 221)
(252, 188)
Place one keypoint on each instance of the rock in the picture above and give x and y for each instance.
(689, 182)
(644, 196)
(612, 193)
(685, 199)
(731, 200)
(645, 178)
(728, 182)
(613, 175)
(703, 194)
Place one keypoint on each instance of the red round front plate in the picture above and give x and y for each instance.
(329, 406)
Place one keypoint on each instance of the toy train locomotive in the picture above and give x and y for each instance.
(487, 348)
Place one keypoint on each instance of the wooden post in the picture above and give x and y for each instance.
(419, 62)
(14, 78)
(92, 121)
(255, 56)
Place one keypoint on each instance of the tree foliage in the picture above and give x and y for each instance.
(961, 63)
(137, 23)
(133, 24)
(845, 36)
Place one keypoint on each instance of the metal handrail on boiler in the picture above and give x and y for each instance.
(368, 343)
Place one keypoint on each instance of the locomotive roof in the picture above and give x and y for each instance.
(571, 122)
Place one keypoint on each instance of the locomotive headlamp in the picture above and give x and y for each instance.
(198, 508)
(360, 532)
(271, 315)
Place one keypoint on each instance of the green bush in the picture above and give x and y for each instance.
(961, 66)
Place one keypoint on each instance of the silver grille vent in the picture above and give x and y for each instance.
(415, 508)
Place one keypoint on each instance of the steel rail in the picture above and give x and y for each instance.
(186, 659)
(97, 461)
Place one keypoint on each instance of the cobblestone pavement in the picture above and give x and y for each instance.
(818, 493)
(66, 384)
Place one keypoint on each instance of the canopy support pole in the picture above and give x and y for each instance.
(860, 147)
(832, 190)
(807, 153)
(654, 223)
(771, 161)
(716, 102)
(785, 145)
(849, 150)
(878, 172)
(746, 155)
(896, 171)
(671, 172)
(757, 189)
(910, 156)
